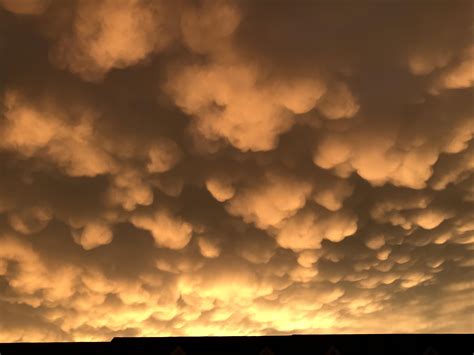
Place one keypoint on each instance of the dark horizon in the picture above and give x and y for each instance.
(386, 344)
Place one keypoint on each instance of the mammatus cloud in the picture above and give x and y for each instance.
(112, 34)
(26, 7)
(168, 231)
(270, 201)
(235, 168)
(93, 235)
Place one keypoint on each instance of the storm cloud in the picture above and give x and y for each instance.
(223, 167)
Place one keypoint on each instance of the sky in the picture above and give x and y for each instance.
(211, 167)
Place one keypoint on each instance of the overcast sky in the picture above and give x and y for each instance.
(235, 168)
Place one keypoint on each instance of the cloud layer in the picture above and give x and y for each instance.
(235, 168)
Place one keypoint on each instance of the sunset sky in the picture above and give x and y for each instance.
(208, 167)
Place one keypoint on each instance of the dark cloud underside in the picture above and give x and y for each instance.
(235, 167)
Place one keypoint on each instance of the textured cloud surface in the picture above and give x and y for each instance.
(235, 168)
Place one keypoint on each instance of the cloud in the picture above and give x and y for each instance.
(207, 27)
(231, 98)
(163, 155)
(26, 7)
(30, 220)
(220, 187)
(208, 248)
(306, 230)
(271, 201)
(338, 103)
(168, 231)
(234, 168)
(45, 130)
(332, 195)
(93, 235)
(112, 34)
(228, 104)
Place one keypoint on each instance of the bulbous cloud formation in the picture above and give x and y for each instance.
(112, 34)
(235, 168)
(26, 7)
